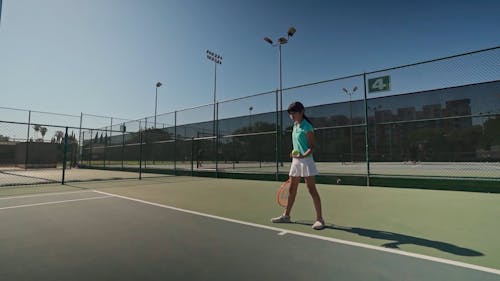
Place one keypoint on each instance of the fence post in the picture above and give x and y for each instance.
(104, 148)
(91, 147)
(367, 139)
(111, 131)
(192, 155)
(64, 155)
(27, 141)
(140, 156)
(145, 139)
(175, 143)
(277, 148)
(80, 141)
(80, 163)
(123, 145)
(216, 140)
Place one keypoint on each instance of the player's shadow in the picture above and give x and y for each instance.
(398, 239)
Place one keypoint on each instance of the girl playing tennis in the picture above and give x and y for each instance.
(303, 165)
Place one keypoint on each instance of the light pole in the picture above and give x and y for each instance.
(281, 41)
(217, 59)
(350, 118)
(158, 85)
(250, 115)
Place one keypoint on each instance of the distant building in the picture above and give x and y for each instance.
(457, 108)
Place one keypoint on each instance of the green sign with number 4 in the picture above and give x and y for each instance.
(379, 84)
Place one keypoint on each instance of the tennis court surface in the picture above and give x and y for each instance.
(185, 228)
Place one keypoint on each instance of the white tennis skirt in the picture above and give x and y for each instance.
(303, 167)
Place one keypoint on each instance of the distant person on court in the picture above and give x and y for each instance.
(199, 162)
(303, 165)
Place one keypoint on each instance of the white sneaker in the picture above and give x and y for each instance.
(318, 225)
(281, 219)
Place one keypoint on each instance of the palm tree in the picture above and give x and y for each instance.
(59, 135)
(37, 129)
(43, 130)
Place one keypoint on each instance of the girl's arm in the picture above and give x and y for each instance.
(312, 144)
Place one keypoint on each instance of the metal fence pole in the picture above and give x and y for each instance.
(27, 141)
(140, 156)
(123, 147)
(175, 143)
(145, 139)
(217, 140)
(64, 155)
(80, 141)
(192, 156)
(104, 148)
(277, 148)
(82, 152)
(111, 130)
(110, 134)
(367, 139)
(91, 147)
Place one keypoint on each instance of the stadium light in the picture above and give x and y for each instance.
(217, 59)
(281, 41)
(158, 85)
(250, 115)
(349, 93)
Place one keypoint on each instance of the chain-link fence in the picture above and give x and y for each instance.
(38, 157)
(438, 119)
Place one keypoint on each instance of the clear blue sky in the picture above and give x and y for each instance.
(104, 57)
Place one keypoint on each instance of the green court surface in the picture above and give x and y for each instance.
(373, 233)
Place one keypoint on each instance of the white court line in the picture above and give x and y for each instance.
(339, 241)
(494, 167)
(53, 202)
(44, 194)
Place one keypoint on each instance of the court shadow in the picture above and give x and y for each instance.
(397, 239)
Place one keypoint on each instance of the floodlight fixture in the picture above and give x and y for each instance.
(268, 40)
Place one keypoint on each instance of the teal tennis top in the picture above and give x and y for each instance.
(299, 136)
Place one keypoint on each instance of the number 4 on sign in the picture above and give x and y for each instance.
(379, 84)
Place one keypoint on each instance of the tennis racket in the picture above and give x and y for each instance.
(282, 194)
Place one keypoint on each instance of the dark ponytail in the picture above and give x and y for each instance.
(308, 120)
(298, 107)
